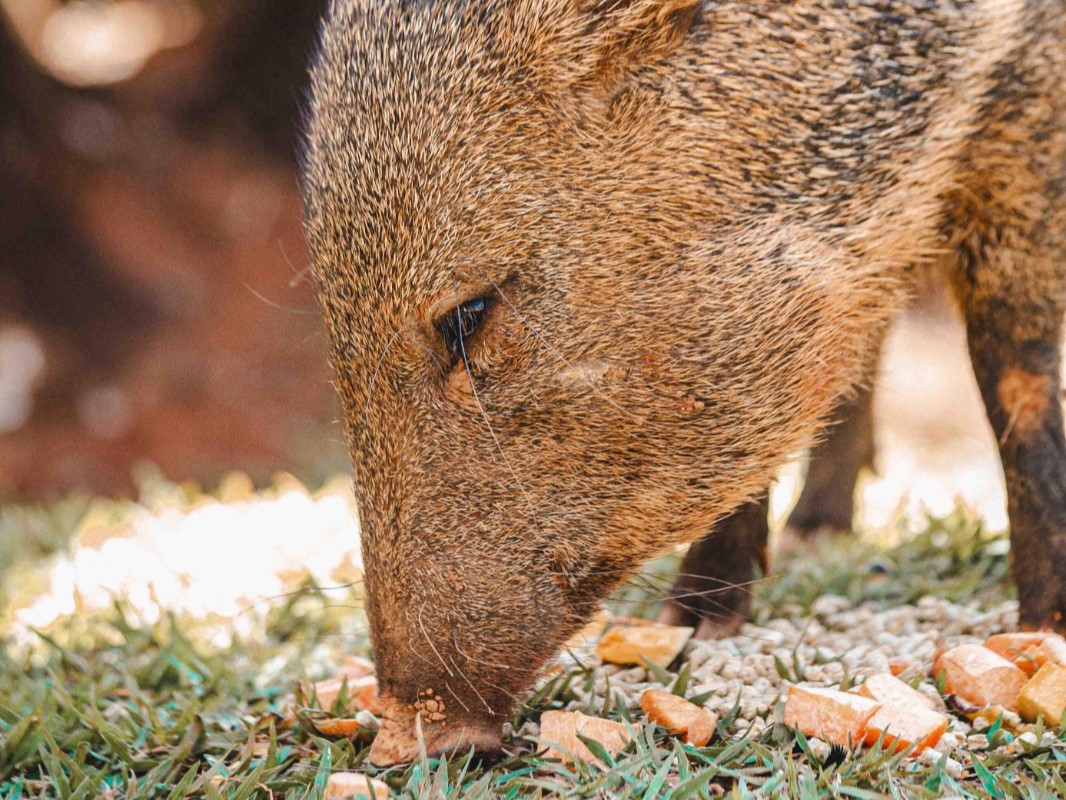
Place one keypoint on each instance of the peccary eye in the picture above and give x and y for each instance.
(460, 325)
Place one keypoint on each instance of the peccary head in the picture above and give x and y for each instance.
(567, 333)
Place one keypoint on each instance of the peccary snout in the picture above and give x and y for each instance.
(446, 648)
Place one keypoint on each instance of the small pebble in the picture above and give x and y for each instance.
(819, 749)
(368, 720)
(632, 675)
(930, 756)
(949, 741)
(828, 605)
(952, 767)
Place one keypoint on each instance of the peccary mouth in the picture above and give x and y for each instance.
(405, 734)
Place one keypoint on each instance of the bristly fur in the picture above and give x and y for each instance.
(697, 220)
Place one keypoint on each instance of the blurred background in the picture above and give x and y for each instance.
(154, 301)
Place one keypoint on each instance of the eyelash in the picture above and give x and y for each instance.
(460, 325)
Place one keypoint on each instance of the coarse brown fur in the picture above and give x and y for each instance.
(691, 223)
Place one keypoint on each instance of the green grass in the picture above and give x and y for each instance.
(108, 706)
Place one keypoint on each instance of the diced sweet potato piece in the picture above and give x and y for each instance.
(980, 676)
(837, 717)
(355, 786)
(904, 725)
(679, 716)
(362, 693)
(1044, 694)
(1051, 651)
(560, 728)
(701, 729)
(897, 666)
(659, 644)
(888, 689)
(1019, 648)
(341, 728)
(1006, 644)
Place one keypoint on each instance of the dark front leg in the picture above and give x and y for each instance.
(827, 503)
(1008, 222)
(1020, 385)
(715, 581)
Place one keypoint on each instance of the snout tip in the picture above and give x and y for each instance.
(485, 742)
(398, 740)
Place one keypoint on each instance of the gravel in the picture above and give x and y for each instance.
(837, 643)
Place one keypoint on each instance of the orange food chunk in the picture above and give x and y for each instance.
(898, 666)
(1019, 648)
(888, 689)
(905, 725)
(1044, 694)
(679, 716)
(362, 693)
(659, 644)
(982, 677)
(560, 728)
(837, 717)
(1051, 651)
(355, 786)
(341, 728)
(701, 729)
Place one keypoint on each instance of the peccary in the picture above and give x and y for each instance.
(594, 269)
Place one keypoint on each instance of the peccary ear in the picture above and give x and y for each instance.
(633, 33)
